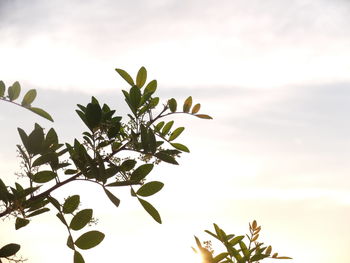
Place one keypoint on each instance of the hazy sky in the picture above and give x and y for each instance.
(274, 75)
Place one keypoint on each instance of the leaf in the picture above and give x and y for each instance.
(166, 158)
(128, 165)
(150, 210)
(167, 127)
(2, 88)
(135, 96)
(258, 257)
(112, 197)
(49, 157)
(255, 237)
(70, 242)
(196, 108)
(42, 113)
(150, 188)
(125, 75)
(29, 97)
(236, 240)
(268, 250)
(159, 126)
(220, 257)
(187, 104)
(172, 105)
(71, 204)
(78, 258)
(43, 177)
(93, 115)
(9, 250)
(21, 222)
(38, 212)
(35, 140)
(141, 172)
(151, 87)
(203, 116)
(89, 239)
(14, 91)
(176, 133)
(283, 258)
(180, 147)
(141, 77)
(81, 219)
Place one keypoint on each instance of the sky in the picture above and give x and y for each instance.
(274, 76)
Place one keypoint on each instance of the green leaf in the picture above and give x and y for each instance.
(180, 147)
(159, 126)
(258, 257)
(166, 158)
(38, 212)
(21, 222)
(203, 116)
(14, 91)
(172, 105)
(81, 219)
(135, 96)
(245, 250)
(151, 87)
(78, 258)
(42, 113)
(176, 133)
(89, 239)
(29, 97)
(144, 138)
(71, 204)
(43, 177)
(141, 77)
(220, 257)
(70, 242)
(35, 140)
(61, 218)
(141, 172)
(9, 250)
(125, 76)
(2, 88)
(93, 115)
(167, 127)
(283, 258)
(127, 165)
(236, 240)
(150, 188)
(112, 197)
(49, 157)
(187, 104)
(150, 210)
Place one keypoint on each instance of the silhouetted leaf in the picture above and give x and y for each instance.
(78, 258)
(141, 172)
(42, 113)
(151, 87)
(150, 188)
(21, 222)
(93, 115)
(81, 219)
(43, 177)
(71, 204)
(166, 158)
(172, 105)
(203, 116)
(150, 210)
(112, 197)
(2, 88)
(89, 239)
(9, 250)
(38, 212)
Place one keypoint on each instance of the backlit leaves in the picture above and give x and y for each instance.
(187, 104)
(29, 97)
(141, 77)
(125, 76)
(14, 91)
(43, 177)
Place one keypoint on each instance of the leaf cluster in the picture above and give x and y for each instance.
(237, 250)
(114, 151)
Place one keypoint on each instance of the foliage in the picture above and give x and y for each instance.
(237, 251)
(99, 158)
